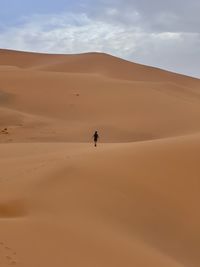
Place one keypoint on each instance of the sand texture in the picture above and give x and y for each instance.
(131, 201)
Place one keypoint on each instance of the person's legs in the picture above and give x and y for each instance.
(95, 142)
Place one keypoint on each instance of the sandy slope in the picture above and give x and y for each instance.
(126, 203)
(70, 106)
(123, 205)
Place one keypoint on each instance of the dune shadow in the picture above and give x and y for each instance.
(12, 209)
(5, 97)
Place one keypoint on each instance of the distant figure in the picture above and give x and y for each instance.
(95, 136)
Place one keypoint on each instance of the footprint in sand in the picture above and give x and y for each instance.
(7, 256)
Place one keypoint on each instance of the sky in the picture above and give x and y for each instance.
(160, 33)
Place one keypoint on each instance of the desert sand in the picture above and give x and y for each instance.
(131, 201)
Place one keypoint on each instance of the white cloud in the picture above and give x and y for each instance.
(77, 33)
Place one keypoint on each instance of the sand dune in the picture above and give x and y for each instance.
(75, 104)
(133, 200)
(92, 63)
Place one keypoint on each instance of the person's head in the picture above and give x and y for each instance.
(95, 132)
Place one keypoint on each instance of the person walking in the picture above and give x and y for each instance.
(96, 137)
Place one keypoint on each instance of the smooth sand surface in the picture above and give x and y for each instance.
(131, 201)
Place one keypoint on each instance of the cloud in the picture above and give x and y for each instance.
(156, 34)
(154, 15)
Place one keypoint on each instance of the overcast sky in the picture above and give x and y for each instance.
(161, 33)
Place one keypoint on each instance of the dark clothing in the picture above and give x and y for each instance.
(96, 136)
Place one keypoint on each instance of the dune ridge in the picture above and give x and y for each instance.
(133, 200)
